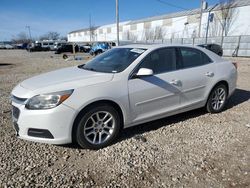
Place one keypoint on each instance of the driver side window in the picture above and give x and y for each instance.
(160, 61)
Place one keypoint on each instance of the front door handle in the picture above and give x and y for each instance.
(209, 74)
(175, 82)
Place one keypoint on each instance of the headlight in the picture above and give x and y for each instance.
(47, 101)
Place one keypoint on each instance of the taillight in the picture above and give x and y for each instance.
(235, 64)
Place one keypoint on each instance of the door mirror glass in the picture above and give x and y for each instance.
(144, 72)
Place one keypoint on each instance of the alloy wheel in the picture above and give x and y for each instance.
(99, 127)
(218, 98)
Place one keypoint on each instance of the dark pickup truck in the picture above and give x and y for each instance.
(66, 48)
(37, 49)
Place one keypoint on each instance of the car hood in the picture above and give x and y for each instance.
(67, 78)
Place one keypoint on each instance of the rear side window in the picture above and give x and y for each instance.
(160, 61)
(192, 57)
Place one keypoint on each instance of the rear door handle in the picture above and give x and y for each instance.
(209, 74)
(175, 82)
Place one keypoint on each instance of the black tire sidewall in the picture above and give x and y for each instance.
(209, 102)
(82, 141)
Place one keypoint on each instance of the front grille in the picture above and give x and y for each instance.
(15, 112)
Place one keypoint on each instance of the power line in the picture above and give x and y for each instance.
(117, 22)
(171, 5)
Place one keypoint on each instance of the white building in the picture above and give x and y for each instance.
(184, 24)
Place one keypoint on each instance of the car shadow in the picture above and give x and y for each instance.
(136, 132)
(237, 98)
(5, 64)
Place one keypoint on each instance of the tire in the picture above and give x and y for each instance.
(65, 56)
(98, 52)
(88, 128)
(217, 99)
(220, 54)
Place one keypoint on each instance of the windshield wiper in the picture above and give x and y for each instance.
(91, 69)
(83, 67)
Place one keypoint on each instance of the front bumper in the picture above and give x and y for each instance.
(35, 125)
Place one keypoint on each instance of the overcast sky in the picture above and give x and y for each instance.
(64, 16)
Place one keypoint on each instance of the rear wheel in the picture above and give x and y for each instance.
(98, 52)
(217, 99)
(65, 56)
(98, 127)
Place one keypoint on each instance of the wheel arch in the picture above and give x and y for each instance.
(218, 83)
(87, 107)
(98, 51)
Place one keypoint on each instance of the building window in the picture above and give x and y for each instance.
(147, 25)
(74, 34)
(120, 29)
(167, 22)
(193, 19)
(108, 30)
(133, 27)
(100, 31)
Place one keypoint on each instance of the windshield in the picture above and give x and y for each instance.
(114, 60)
(95, 44)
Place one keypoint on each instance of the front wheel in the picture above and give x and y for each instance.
(98, 52)
(217, 99)
(98, 127)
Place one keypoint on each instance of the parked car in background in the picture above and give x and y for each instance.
(67, 48)
(2, 46)
(21, 46)
(8, 46)
(85, 48)
(59, 44)
(99, 47)
(129, 85)
(214, 48)
(37, 48)
(46, 44)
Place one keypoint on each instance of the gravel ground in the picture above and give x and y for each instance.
(193, 149)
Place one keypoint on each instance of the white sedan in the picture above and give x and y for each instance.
(126, 86)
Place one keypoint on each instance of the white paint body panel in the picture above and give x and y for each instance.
(140, 100)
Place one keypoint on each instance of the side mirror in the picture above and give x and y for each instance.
(144, 72)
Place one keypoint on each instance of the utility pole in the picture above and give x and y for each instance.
(28, 27)
(90, 28)
(199, 32)
(209, 20)
(117, 21)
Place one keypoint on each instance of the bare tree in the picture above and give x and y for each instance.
(51, 35)
(92, 33)
(21, 38)
(128, 35)
(158, 33)
(44, 37)
(148, 34)
(215, 28)
(194, 33)
(63, 38)
(228, 14)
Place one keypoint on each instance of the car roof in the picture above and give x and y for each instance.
(155, 46)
